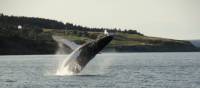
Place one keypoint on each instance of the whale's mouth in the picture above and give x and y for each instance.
(79, 58)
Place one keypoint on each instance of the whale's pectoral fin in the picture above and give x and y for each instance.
(71, 45)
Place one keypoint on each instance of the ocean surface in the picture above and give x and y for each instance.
(106, 70)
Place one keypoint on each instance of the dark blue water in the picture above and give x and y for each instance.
(107, 70)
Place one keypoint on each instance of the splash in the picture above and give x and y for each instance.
(64, 69)
(100, 65)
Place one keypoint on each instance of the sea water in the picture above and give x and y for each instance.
(106, 70)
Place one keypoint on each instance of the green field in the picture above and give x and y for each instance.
(121, 39)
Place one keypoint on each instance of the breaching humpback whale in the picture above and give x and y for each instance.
(79, 58)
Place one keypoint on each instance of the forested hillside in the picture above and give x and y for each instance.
(31, 35)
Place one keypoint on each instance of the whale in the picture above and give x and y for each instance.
(81, 56)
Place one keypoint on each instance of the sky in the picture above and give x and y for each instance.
(175, 19)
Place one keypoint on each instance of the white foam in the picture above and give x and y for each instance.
(64, 69)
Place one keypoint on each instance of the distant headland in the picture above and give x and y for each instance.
(29, 35)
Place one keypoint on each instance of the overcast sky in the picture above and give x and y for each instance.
(177, 19)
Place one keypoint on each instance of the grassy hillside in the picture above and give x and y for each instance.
(125, 42)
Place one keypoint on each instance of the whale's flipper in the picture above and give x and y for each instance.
(66, 42)
(79, 58)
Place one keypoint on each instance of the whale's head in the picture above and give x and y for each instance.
(90, 49)
(97, 45)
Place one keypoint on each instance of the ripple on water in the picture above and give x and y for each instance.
(10, 80)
